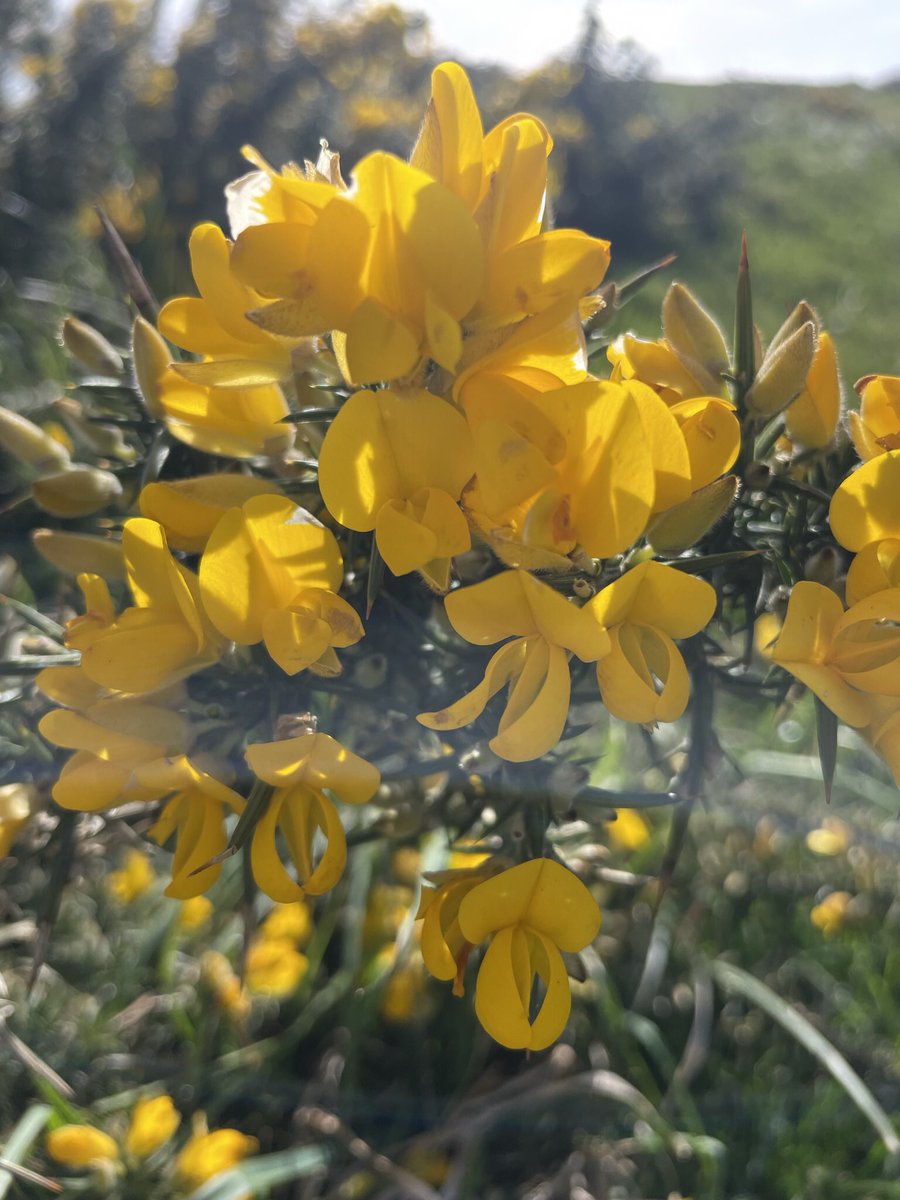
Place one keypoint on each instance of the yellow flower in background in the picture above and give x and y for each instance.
(209, 1154)
(644, 677)
(230, 995)
(302, 770)
(875, 429)
(195, 810)
(132, 880)
(404, 989)
(535, 665)
(274, 967)
(830, 915)
(17, 803)
(270, 573)
(165, 636)
(630, 830)
(830, 838)
(81, 1146)
(531, 912)
(864, 508)
(195, 912)
(290, 922)
(396, 462)
(153, 1122)
(841, 656)
(189, 509)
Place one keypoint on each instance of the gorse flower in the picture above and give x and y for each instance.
(302, 770)
(530, 912)
(535, 665)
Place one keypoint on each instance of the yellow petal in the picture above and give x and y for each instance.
(541, 894)
(656, 595)
(535, 714)
(503, 989)
(864, 509)
(506, 663)
(644, 678)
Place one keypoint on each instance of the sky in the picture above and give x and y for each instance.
(690, 40)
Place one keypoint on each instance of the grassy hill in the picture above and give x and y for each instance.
(815, 182)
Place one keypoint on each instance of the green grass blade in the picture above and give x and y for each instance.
(735, 979)
(22, 1139)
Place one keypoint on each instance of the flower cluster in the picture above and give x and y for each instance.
(383, 388)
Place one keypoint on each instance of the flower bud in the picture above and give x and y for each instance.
(783, 373)
(77, 492)
(801, 313)
(75, 553)
(26, 441)
(91, 348)
(151, 356)
(684, 524)
(692, 332)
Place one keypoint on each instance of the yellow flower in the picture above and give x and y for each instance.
(531, 912)
(396, 462)
(133, 880)
(573, 468)
(274, 967)
(81, 1146)
(875, 429)
(234, 422)
(813, 417)
(502, 180)
(644, 677)
(165, 636)
(188, 509)
(876, 567)
(195, 812)
(392, 265)
(830, 914)
(209, 1154)
(664, 368)
(445, 951)
(839, 655)
(216, 326)
(535, 665)
(290, 922)
(864, 508)
(300, 769)
(270, 573)
(111, 738)
(153, 1121)
(17, 802)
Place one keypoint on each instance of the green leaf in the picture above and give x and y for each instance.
(826, 736)
(735, 979)
(744, 350)
(22, 1138)
(36, 619)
